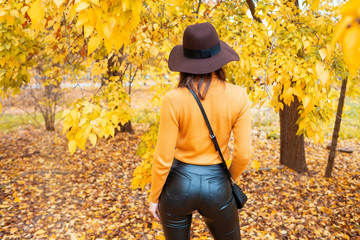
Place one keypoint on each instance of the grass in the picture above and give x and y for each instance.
(267, 121)
(264, 120)
(11, 122)
(350, 124)
(143, 115)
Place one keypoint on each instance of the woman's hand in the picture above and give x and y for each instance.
(154, 210)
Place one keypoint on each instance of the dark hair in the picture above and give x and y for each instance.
(187, 80)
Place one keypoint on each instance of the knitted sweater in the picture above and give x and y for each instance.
(183, 133)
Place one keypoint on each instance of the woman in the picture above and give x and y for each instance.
(187, 173)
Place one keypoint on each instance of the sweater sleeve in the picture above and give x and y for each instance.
(165, 148)
(242, 142)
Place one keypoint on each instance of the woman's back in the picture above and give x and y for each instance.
(224, 104)
(183, 134)
(187, 173)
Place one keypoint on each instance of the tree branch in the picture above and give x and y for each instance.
(198, 7)
(251, 5)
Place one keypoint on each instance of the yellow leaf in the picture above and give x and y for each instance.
(88, 29)
(52, 237)
(103, 122)
(340, 28)
(92, 138)
(256, 165)
(82, 19)
(324, 77)
(315, 4)
(81, 6)
(322, 53)
(306, 44)
(81, 238)
(97, 130)
(306, 101)
(36, 12)
(58, 2)
(81, 144)
(107, 31)
(112, 23)
(118, 40)
(114, 119)
(351, 48)
(3, 11)
(308, 104)
(180, 2)
(39, 232)
(108, 44)
(124, 18)
(93, 44)
(72, 146)
(316, 138)
(73, 114)
(88, 130)
(17, 199)
(322, 73)
(302, 125)
(288, 96)
(351, 8)
(96, 2)
(125, 5)
(155, 225)
(110, 131)
(66, 126)
(82, 122)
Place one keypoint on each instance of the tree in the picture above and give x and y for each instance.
(100, 23)
(292, 151)
(335, 136)
(284, 59)
(16, 49)
(57, 55)
(297, 42)
(348, 34)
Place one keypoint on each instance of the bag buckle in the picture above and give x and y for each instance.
(232, 181)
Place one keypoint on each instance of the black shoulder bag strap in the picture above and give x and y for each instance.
(239, 195)
(212, 134)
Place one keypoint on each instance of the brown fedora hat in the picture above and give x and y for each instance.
(202, 51)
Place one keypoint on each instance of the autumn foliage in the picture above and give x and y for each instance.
(288, 53)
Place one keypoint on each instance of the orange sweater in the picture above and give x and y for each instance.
(183, 133)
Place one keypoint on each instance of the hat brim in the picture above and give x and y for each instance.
(179, 63)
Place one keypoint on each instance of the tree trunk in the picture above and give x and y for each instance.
(292, 151)
(127, 127)
(111, 72)
(335, 135)
(48, 105)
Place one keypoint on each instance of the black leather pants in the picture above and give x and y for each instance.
(205, 189)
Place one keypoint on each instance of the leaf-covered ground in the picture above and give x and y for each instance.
(47, 194)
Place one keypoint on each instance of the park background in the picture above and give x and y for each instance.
(81, 85)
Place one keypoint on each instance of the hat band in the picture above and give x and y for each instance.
(202, 53)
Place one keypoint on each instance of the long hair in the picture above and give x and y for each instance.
(187, 80)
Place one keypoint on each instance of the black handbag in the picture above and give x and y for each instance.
(239, 195)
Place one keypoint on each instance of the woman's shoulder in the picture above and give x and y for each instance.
(238, 95)
(176, 93)
(235, 89)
